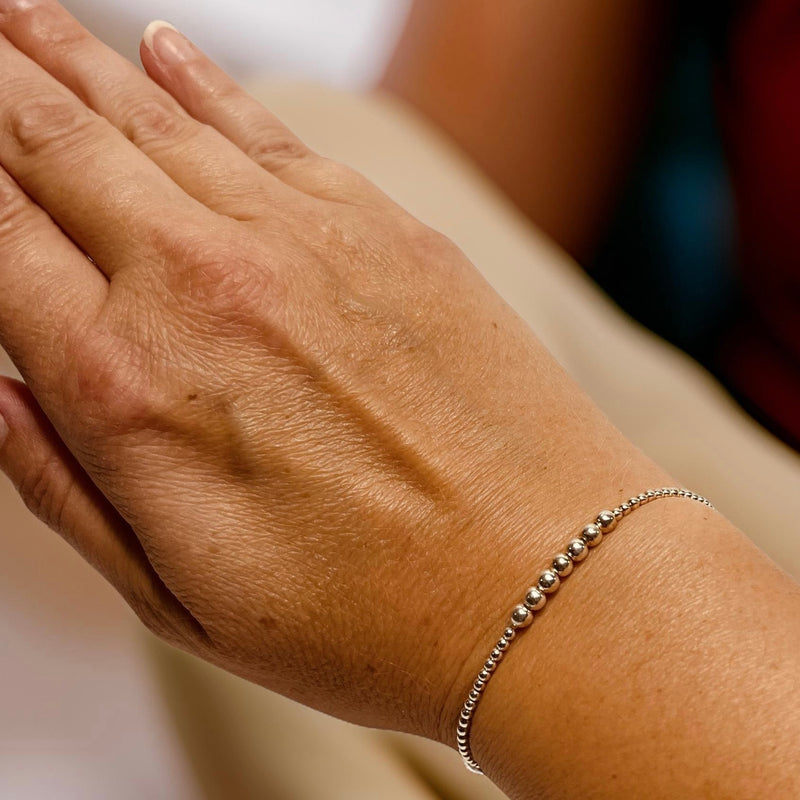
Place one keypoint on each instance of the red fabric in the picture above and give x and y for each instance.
(760, 113)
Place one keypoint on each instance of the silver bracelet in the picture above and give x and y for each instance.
(535, 598)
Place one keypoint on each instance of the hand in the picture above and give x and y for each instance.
(292, 425)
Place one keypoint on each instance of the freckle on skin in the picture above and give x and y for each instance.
(267, 622)
(192, 397)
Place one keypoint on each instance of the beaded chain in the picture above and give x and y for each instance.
(535, 598)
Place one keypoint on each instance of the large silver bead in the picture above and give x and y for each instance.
(606, 521)
(535, 599)
(577, 550)
(592, 535)
(562, 565)
(549, 581)
(521, 617)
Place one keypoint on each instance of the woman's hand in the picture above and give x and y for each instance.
(292, 425)
(305, 440)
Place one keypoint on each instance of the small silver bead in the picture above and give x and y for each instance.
(562, 565)
(642, 498)
(658, 492)
(577, 550)
(521, 617)
(496, 654)
(625, 509)
(469, 704)
(509, 634)
(617, 512)
(479, 685)
(535, 599)
(633, 502)
(484, 675)
(549, 581)
(650, 494)
(592, 535)
(606, 521)
(502, 645)
(490, 665)
(465, 715)
(474, 694)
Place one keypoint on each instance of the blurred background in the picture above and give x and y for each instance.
(346, 43)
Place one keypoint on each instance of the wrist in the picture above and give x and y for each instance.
(622, 686)
(503, 555)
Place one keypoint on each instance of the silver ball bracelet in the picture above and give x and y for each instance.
(522, 615)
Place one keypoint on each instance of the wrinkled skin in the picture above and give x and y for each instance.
(279, 414)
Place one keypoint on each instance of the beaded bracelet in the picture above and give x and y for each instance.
(549, 581)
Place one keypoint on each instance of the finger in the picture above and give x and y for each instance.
(57, 490)
(196, 156)
(112, 200)
(50, 292)
(212, 97)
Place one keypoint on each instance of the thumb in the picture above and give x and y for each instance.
(61, 494)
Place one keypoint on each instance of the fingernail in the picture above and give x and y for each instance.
(3, 430)
(166, 42)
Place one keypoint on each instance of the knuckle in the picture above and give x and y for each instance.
(153, 120)
(112, 381)
(429, 245)
(220, 279)
(275, 149)
(40, 123)
(332, 180)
